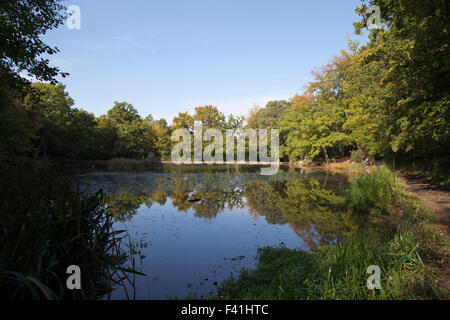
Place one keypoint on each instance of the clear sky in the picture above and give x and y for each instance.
(169, 56)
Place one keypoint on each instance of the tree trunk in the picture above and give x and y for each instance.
(326, 154)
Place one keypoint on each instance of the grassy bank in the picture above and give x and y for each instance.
(46, 226)
(395, 234)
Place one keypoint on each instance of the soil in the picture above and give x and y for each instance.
(435, 198)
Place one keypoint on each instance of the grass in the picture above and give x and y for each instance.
(394, 236)
(46, 226)
(376, 193)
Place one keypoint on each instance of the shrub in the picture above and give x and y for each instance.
(357, 156)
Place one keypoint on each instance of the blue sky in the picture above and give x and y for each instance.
(167, 56)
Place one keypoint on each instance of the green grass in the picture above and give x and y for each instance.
(376, 192)
(394, 237)
(46, 226)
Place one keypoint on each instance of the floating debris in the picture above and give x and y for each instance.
(236, 258)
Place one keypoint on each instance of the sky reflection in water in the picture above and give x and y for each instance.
(195, 226)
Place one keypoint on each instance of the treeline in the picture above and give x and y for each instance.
(389, 99)
(50, 128)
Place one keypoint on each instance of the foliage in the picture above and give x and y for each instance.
(339, 271)
(22, 23)
(210, 116)
(408, 62)
(357, 156)
(17, 130)
(46, 227)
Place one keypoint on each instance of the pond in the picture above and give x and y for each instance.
(192, 227)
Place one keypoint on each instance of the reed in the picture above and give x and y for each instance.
(47, 226)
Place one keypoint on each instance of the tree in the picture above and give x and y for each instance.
(163, 142)
(313, 126)
(135, 137)
(253, 117)
(235, 123)
(183, 121)
(22, 23)
(51, 105)
(18, 130)
(210, 116)
(105, 137)
(81, 135)
(272, 113)
(410, 61)
(123, 113)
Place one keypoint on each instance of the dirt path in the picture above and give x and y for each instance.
(435, 198)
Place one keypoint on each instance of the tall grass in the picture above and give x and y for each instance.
(46, 226)
(375, 192)
(393, 239)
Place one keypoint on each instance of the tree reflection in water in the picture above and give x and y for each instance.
(312, 203)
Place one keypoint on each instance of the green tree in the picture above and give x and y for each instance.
(183, 121)
(314, 126)
(272, 113)
(123, 113)
(52, 106)
(135, 136)
(253, 117)
(410, 60)
(105, 137)
(235, 122)
(210, 116)
(163, 142)
(22, 23)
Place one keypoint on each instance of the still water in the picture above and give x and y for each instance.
(192, 227)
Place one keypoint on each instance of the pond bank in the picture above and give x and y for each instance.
(437, 199)
(398, 237)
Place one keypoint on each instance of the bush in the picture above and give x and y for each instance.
(357, 156)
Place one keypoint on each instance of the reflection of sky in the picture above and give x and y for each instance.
(182, 243)
(182, 250)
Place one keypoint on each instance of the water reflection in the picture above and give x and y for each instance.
(313, 203)
(197, 219)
